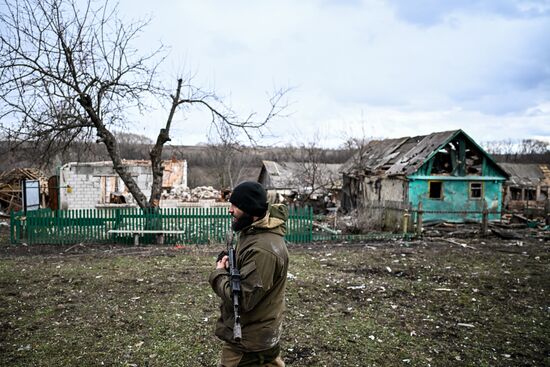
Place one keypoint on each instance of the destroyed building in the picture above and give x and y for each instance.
(527, 187)
(86, 185)
(447, 172)
(315, 184)
(11, 182)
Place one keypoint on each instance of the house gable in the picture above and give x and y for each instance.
(451, 153)
(458, 156)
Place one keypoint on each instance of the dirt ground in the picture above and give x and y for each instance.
(437, 301)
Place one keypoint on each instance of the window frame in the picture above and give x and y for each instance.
(441, 190)
(481, 189)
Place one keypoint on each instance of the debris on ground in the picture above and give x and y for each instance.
(505, 234)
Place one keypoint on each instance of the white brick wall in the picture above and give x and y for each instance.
(84, 180)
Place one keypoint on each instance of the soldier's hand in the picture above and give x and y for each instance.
(223, 263)
(221, 255)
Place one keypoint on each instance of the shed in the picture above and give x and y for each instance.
(11, 187)
(310, 180)
(528, 185)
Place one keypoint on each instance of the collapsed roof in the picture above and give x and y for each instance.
(293, 175)
(527, 175)
(405, 156)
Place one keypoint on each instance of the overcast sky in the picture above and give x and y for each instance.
(382, 68)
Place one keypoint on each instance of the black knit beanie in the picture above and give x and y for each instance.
(250, 197)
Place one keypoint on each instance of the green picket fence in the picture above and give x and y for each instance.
(190, 225)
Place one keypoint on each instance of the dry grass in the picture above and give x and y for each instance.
(390, 304)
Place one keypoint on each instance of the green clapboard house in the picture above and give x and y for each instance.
(448, 172)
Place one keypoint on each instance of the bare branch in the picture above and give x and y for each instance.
(67, 70)
(71, 71)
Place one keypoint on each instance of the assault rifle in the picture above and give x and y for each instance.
(235, 279)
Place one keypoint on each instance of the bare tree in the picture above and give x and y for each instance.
(356, 145)
(500, 147)
(357, 148)
(518, 151)
(69, 71)
(533, 146)
(312, 175)
(133, 139)
(230, 161)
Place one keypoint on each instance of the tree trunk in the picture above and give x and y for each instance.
(112, 148)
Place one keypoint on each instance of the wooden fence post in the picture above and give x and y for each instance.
(484, 219)
(12, 227)
(406, 216)
(547, 210)
(419, 220)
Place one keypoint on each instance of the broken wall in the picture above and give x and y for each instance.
(384, 189)
(96, 184)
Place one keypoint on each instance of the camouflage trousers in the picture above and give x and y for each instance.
(232, 357)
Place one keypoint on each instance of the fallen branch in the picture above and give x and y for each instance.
(325, 228)
(459, 244)
(77, 245)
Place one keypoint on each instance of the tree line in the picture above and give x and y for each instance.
(218, 165)
(519, 151)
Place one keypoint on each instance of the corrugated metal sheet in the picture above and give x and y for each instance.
(417, 150)
(405, 156)
(287, 175)
(527, 174)
(401, 156)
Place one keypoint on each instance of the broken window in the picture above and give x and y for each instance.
(111, 190)
(442, 163)
(476, 190)
(458, 158)
(436, 190)
(474, 161)
(515, 193)
(530, 194)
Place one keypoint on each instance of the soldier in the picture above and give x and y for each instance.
(262, 259)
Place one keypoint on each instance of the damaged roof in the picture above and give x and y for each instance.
(527, 174)
(402, 156)
(286, 175)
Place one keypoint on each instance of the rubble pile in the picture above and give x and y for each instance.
(177, 193)
(183, 193)
(205, 192)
